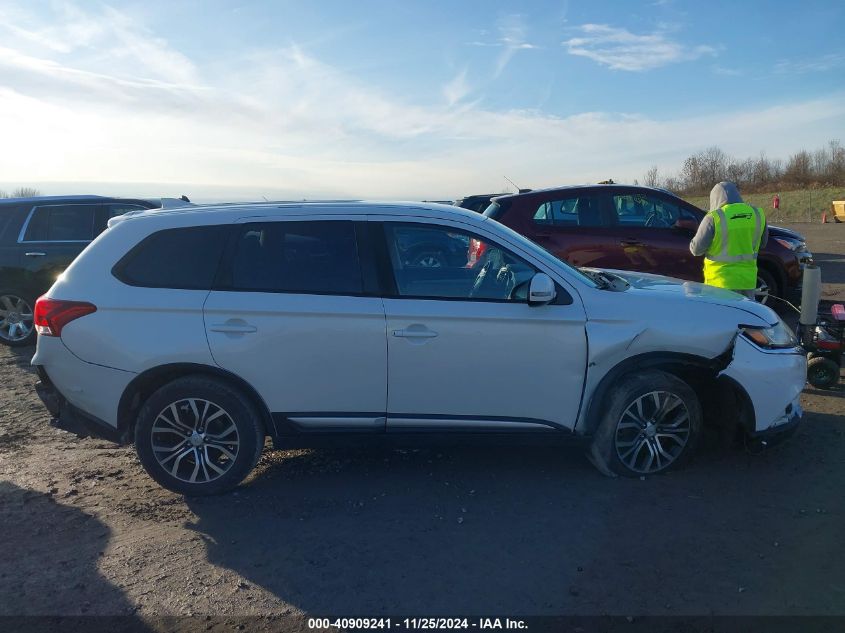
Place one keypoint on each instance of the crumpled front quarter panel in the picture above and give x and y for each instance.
(772, 380)
(622, 326)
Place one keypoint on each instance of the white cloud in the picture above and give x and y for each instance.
(726, 71)
(619, 49)
(102, 36)
(511, 39)
(284, 121)
(457, 88)
(824, 63)
(512, 31)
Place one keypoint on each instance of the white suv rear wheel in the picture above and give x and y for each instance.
(198, 436)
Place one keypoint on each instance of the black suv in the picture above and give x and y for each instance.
(39, 238)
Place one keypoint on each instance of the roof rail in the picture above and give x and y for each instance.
(175, 203)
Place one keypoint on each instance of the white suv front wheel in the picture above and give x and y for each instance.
(198, 435)
(651, 423)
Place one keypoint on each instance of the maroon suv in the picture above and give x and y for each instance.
(635, 228)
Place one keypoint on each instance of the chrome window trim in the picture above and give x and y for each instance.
(25, 226)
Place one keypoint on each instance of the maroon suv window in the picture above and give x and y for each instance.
(638, 209)
(583, 210)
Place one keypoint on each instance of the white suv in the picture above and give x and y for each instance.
(198, 331)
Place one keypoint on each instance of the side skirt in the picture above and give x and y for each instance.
(334, 430)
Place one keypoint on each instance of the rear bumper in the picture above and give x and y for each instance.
(68, 418)
(91, 388)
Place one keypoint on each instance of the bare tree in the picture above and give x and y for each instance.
(701, 170)
(799, 169)
(836, 172)
(652, 178)
(25, 192)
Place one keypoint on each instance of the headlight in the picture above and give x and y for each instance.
(778, 336)
(791, 243)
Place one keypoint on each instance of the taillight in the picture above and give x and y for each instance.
(476, 250)
(51, 315)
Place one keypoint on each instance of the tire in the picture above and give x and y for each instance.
(766, 285)
(16, 319)
(622, 430)
(174, 445)
(822, 372)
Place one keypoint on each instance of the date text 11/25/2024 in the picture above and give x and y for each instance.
(415, 623)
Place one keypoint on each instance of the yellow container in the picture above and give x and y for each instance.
(838, 208)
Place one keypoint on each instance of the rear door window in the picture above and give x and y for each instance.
(575, 210)
(61, 223)
(313, 257)
(175, 258)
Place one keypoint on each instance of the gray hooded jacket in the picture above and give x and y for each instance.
(722, 194)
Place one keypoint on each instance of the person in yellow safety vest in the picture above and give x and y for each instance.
(729, 237)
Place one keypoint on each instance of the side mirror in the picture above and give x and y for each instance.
(686, 224)
(541, 290)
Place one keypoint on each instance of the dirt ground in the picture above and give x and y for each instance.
(480, 531)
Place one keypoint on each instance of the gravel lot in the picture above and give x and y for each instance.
(427, 532)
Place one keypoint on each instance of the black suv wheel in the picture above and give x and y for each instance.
(16, 319)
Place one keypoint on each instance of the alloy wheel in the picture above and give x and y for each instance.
(16, 319)
(195, 440)
(652, 432)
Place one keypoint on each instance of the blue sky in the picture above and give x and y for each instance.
(403, 99)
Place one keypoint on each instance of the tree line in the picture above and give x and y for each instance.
(21, 192)
(824, 167)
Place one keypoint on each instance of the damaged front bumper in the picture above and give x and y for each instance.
(783, 427)
(773, 381)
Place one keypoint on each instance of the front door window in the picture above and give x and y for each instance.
(443, 263)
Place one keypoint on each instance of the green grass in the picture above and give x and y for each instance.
(803, 205)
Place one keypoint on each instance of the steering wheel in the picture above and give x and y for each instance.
(654, 220)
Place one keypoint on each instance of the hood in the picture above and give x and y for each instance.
(646, 283)
(779, 231)
(724, 193)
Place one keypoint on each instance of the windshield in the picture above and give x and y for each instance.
(493, 210)
(542, 253)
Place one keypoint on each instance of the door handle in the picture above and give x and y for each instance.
(412, 332)
(35, 254)
(233, 328)
(630, 243)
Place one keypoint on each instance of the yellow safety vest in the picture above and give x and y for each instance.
(731, 260)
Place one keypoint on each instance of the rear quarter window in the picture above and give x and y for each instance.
(184, 258)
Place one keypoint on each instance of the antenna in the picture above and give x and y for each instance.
(512, 182)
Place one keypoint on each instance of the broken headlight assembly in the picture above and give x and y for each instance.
(778, 336)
